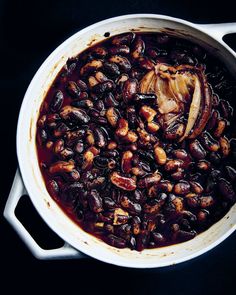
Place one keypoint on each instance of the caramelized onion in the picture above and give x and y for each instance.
(180, 90)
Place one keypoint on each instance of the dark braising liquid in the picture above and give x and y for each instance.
(135, 140)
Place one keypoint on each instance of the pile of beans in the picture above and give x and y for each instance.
(106, 160)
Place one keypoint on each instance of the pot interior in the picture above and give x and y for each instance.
(28, 160)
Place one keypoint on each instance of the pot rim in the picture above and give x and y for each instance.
(20, 148)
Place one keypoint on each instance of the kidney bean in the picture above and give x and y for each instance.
(60, 130)
(116, 241)
(173, 165)
(153, 127)
(226, 189)
(110, 100)
(122, 128)
(42, 136)
(196, 187)
(122, 62)
(138, 48)
(95, 201)
(196, 150)
(103, 87)
(74, 114)
(57, 101)
(174, 131)
(53, 188)
(113, 116)
(203, 165)
(86, 103)
(99, 136)
(125, 183)
(91, 67)
(220, 128)
(82, 85)
(131, 207)
(147, 113)
(182, 188)
(209, 143)
(146, 63)
(206, 201)
(165, 186)
(178, 174)
(61, 167)
(126, 161)
(185, 235)
(149, 180)
(158, 238)
(99, 52)
(142, 240)
(160, 155)
(129, 89)
(123, 39)
(224, 146)
(88, 157)
(73, 89)
(122, 49)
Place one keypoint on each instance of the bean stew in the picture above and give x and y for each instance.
(135, 140)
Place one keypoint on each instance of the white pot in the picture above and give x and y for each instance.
(208, 36)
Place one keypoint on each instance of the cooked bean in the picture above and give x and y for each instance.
(197, 150)
(226, 189)
(123, 39)
(110, 100)
(145, 63)
(130, 206)
(57, 101)
(148, 113)
(112, 115)
(61, 167)
(73, 89)
(138, 48)
(173, 165)
(221, 125)
(213, 120)
(203, 165)
(122, 128)
(149, 180)
(90, 67)
(121, 49)
(196, 187)
(209, 143)
(129, 89)
(224, 146)
(126, 161)
(178, 174)
(116, 241)
(160, 155)
(125, 183)
(182, 188)
(206, 201)
(122, 62)
(175, 131)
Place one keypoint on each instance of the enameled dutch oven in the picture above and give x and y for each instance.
(29, 180)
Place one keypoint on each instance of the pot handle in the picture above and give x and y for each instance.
(219, 30)
(17, 191)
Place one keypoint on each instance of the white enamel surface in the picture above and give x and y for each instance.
(28, 162)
